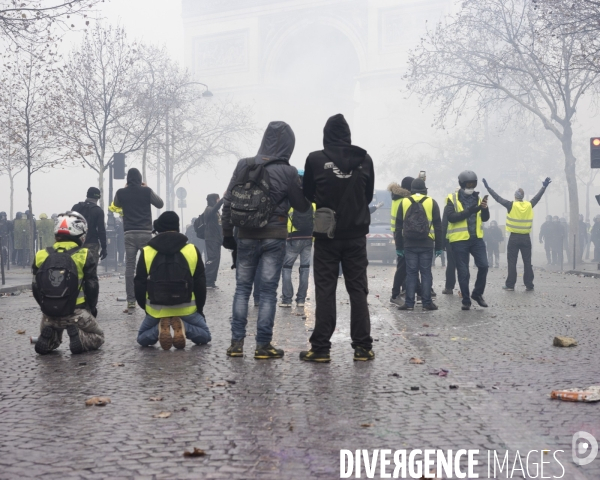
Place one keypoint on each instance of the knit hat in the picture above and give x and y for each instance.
(418, 186)
(519, 194)
(167, 222)
(93, 192)
(406, 183)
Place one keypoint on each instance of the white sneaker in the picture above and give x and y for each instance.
(299, 304)
(285, 305)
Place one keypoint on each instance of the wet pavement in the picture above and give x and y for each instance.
(283, 419)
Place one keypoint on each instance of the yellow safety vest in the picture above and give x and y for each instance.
(395, 206)
(113, 208)
(520, 218)
(290, 227)
(78, 257)
(460, 231)
(427, 205)
(162, 311)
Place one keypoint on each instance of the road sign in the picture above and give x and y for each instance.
(181, 193)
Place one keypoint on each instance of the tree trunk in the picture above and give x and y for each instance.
(101, 187)
(31, 238)
(144, 157)
(12, 195)
(570, 160)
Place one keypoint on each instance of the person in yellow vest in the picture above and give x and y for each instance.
(65, 286)
(398, 192)
(170, 285)
(466, 212)
(419, 233)
(519, 221)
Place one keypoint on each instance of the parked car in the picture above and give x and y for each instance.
(380, 240)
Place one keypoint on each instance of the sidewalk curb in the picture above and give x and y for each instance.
(583, 272)
(27, 286)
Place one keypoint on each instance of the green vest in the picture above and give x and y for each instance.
(78, 257)
(162, 311)
(395, 206)
(459, 231)
(427, 205)
(520, 218)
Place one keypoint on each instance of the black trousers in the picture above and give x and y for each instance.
(548, 252)
(450, 268)
(352, 253)
(519, 242)
(213, 259)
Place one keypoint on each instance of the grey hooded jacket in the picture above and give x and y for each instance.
(277, 144)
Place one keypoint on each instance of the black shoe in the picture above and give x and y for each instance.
(42, 346)
(319, 357)
(362, 354)
(236, 349)
(404, 306)
(267, 351)
(75, 342)
(211, 287)
(448, 291)
(433, 294)
(529, 289)
(508, 289)
(479, 300)
(466, 307)
(431, 306)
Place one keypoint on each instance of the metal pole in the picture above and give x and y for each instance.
(2, 260)
(167, 164)
(182, 223)
(110, 183)
(574, 250)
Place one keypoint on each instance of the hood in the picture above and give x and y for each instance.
(168, 242)
(278, 142)
(397, 191)
(337, 143)
(134, 177)
(211, 199)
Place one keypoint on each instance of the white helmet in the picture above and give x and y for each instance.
(70, 224)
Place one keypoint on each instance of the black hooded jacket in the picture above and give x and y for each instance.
(169, 243)
(327, 173)
(277, 144)
(136, 200)
(94, 216)
(212, 219)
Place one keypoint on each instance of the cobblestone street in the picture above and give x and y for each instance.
(284, 419)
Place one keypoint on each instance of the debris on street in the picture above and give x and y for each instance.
(590, 394)
(560, 341)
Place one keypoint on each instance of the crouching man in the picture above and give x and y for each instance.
(170, 285)
(65, 285)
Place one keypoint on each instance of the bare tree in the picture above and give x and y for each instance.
(27, 21)
(200, 132)
(490, 54)
(35, 113)
(10, 156)
(111, 105)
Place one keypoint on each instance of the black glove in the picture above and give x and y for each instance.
(547, 182)
(474, 209)
(229, 243)
(103, 254)
(94, 312)
(485, 182)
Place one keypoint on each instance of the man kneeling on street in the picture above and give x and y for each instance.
(170, 285)
(65, 286)
(418, 233)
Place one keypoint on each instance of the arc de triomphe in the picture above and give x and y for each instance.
(303, 60)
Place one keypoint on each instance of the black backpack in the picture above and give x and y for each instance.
(251, 204)
(303, 222)
(416, 224)
(200, 227)
(58, 283)
(170, 281)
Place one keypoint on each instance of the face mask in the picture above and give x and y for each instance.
(469, 191)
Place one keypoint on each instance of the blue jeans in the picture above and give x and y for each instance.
(461, 250)
(293, 249)
(195, 325)
(418, 259)
(269, 253)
